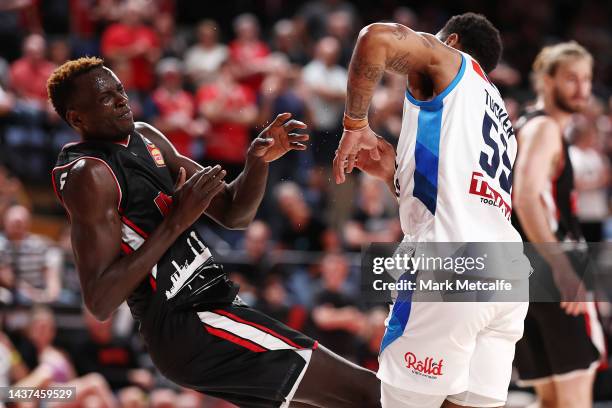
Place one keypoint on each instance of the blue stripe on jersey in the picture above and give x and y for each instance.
(399, 314)
(427, 149)
(426, 155)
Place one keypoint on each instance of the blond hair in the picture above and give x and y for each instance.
(549, 58)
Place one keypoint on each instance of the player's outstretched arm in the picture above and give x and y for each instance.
(394, 48)
(236, 204)
(107, 279)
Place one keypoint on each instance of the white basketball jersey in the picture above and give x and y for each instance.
(455, 154)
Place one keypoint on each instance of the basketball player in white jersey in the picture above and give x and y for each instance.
(452, 175)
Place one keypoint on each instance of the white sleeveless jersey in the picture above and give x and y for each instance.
(454, 161)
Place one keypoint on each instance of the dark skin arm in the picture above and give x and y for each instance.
(386, 47)
(236, 205)
(96, 231)
(96, 225)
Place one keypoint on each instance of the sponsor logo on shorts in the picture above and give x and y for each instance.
(427, 368)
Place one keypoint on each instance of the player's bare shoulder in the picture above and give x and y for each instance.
(89, 185)
(541, 130)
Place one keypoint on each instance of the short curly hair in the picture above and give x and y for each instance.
(478, 37)
(60, 85)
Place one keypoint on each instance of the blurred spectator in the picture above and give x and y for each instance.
(274, 302)
(11, 192)
(406, 16)
(286, 41)
(248, 52)
(279, 94)
(163, 398)
(132, 397)
(71, 287)
(34, 264)
(340, 25)
(171, 43)
(315, 13)
(176, 108)
(372, 219)
(386, 109)
(40, 333)
(335, 315)
(326, 82)
(203, 60)
(30, 72)
(112, 357)
(231, 110)
(257, 246)
(59, 51)
(300, 229)
(12, 367)
(374, 330)
(592, 175)
(133, 41)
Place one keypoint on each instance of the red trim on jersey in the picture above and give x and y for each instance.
(120, 193)
(479, 71)
(153, 282)
(258, 326)
(125, 142)
(134, 227)
(234, 339)
(126, 248)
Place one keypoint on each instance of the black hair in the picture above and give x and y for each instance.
(477, 36)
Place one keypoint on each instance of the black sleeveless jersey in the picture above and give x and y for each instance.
(186, 275)
(560, 198)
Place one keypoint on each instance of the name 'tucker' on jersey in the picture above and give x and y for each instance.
(455, 154)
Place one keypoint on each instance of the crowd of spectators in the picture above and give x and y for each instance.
(210, 85)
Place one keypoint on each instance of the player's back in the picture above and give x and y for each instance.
(454, 163)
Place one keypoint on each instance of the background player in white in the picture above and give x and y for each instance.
(562, 344)
(452, 177)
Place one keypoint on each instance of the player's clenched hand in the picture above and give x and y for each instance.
(351, 143)
(382, 169)
(279, 138)
(192, 197)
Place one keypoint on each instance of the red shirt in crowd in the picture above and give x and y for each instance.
(228, 142)
(171, 104)
(29, 79)
(121, 36)
(244, 54)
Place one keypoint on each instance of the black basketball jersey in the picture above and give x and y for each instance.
(186, 275)
(559, 197)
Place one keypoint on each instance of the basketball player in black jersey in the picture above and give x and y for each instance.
(132, 201)
(559, 351)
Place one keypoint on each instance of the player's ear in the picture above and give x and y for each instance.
(74, 119)
(453, 41)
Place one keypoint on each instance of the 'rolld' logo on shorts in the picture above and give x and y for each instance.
(426, 368)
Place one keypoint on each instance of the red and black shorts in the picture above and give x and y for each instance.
(235, 353)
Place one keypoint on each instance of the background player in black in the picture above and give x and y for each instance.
(92, 100)
(556, 354)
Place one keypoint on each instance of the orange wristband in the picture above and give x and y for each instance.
(354, 124)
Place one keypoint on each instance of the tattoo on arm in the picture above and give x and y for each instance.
(399, 33)
(371, 72)
(357, 104)
(399, 63)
